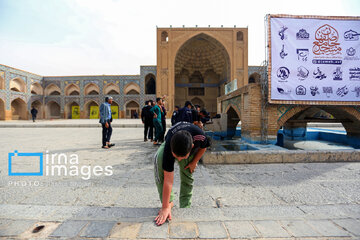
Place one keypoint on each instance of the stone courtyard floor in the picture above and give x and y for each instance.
(267, 201)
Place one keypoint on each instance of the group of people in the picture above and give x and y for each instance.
(153, 116)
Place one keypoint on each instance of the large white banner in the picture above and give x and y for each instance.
(315, 59)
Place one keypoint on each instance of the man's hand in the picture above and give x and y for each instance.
(191, 166)
(155, 115)
(107, 125)
(164, 214)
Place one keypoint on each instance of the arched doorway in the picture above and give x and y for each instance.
(130, 108)
(254, 78)
(91, 109)
(38, 106)
(53, 110)
(2, 109)
(91, 89)
(52, 90)
(202, 68)
(72, 110)
(19, 110)
(233, 119)
(36, 89)
(150, 84)
(111, 89)
(17, 85)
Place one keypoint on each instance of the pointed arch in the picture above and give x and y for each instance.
(2, 82)
(36, 88)
(68, 109)
(132, 88)
(130, 108)
(19, 109)
(52, 89)
(91, 109)
(111, 89)
(39, 107)
(72, 89)
(53, 110)
(150, 84)
(91, 89)
(18, 85)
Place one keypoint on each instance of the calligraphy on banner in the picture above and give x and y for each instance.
(314, 59)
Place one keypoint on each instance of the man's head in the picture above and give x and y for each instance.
(188, 104)
(149, 102)
(197, 107)
(158, 101)
(181, 144)
(203, 113)
(177, 108)
(108, 99)
(146, 102)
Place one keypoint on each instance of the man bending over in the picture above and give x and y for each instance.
(186, 143)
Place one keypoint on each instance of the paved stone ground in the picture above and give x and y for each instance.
(303, 201)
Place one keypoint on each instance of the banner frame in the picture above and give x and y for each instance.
(301, 102)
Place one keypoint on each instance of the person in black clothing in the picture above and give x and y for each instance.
(147, 119)
(174, 115)
(185, 144)
(34, 113)
(163, 119)
(185, 114)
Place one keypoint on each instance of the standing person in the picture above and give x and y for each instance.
(174, 115)
(187, 143)
(136, 115)
(186, 113)
(163, 119)
(147, 119)
(33, 113)
(105, 120)
(156, 110)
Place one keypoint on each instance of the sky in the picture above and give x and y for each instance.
(95, 37)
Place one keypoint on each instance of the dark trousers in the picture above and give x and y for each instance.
(106, 133)
(148, 130)
(163, 124)
(33, 117)
(158, 130)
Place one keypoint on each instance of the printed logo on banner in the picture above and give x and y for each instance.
(314, 90)
(318, 74)
(357, 91)
(283, 54)
(351, 35)
(300, 90)
(354, 74)
(302, 35)
(326, 42)
(327, 91)
(283, 91)
(350, 52)
(303, 73)
(302, 54)
(282, 32)
(337, 74)
(342, 91)
(283, 73)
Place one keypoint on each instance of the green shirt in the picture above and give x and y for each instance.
(156, 110)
